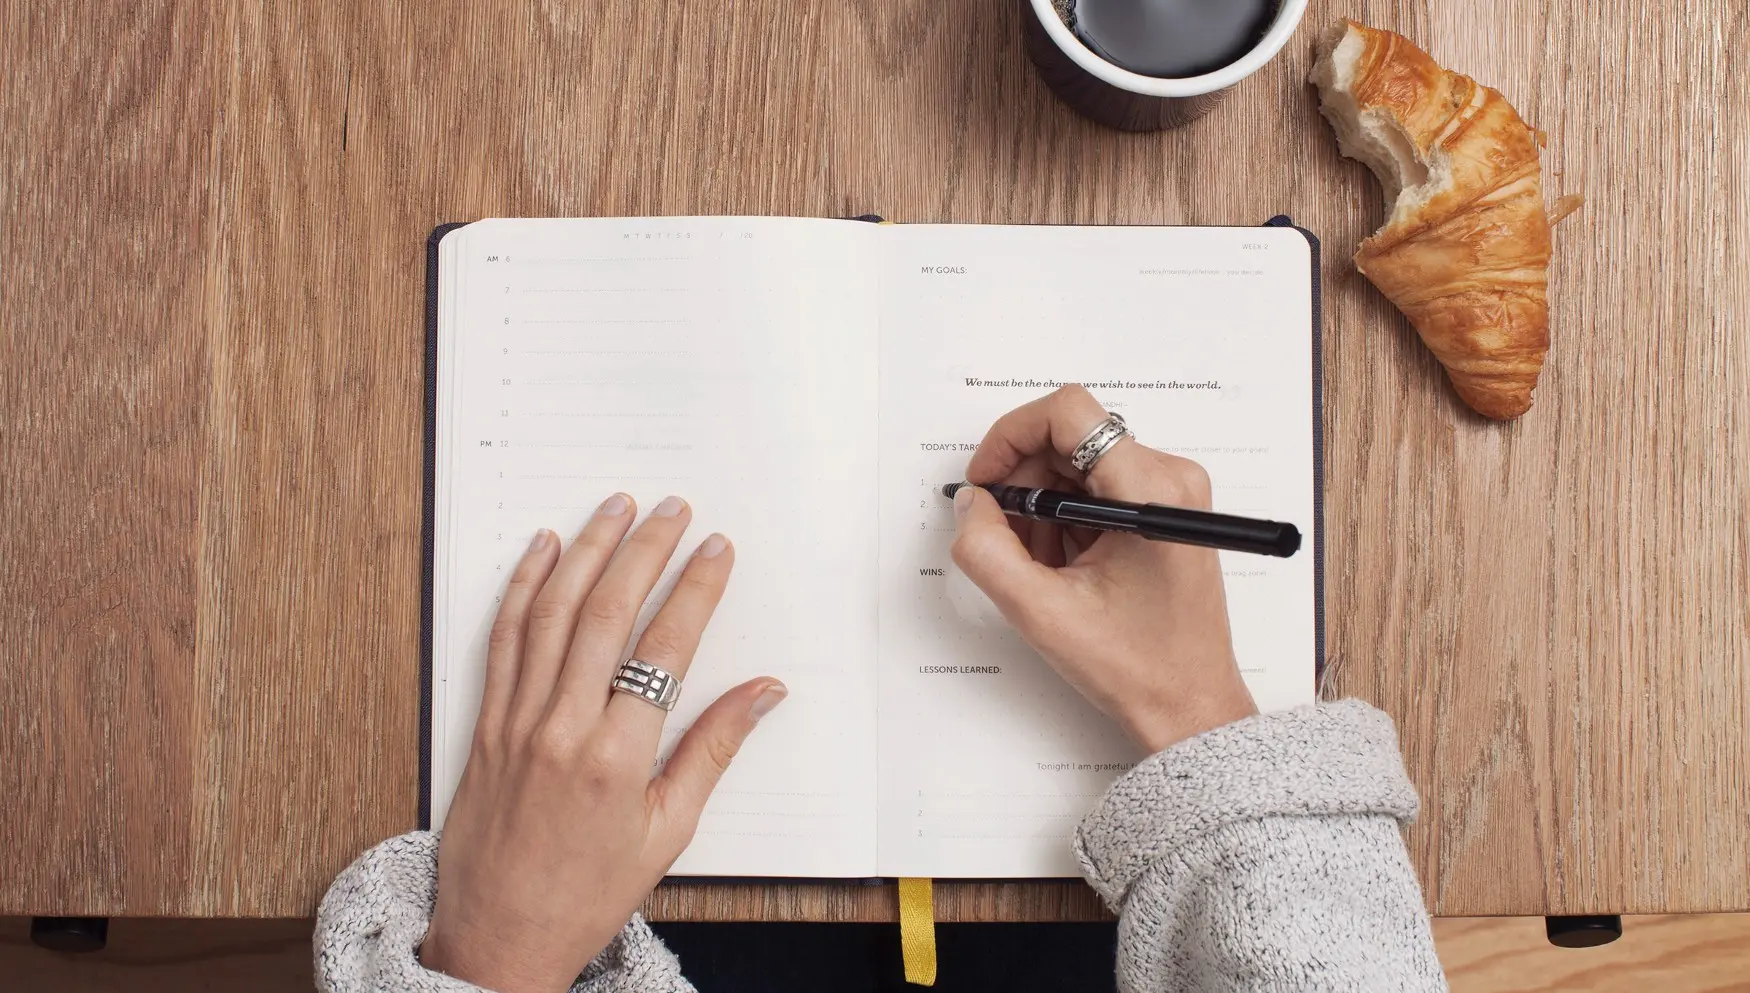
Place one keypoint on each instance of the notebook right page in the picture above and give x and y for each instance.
(1202, 339)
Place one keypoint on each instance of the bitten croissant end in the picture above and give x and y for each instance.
(1465, 248)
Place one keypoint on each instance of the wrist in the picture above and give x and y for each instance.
(489, 964)
(1187, 716)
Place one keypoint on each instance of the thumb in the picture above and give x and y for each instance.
(704, 754)
(992, 556)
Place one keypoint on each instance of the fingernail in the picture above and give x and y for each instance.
(540, 540)
(614, 506)
(766, 701)
(669, 507)
(713, 546)
(962, 503)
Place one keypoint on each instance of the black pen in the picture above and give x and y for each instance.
(1154, 521)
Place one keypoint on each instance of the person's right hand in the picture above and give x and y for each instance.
(1139, 627)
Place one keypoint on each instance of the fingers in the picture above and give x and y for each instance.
(671, 639)
(505, 646)
(611, 609)
(1080, 538)
(553, 615)
(1043, 540)
(704, 753)
(994, 558)
(1179, 481)
(1045, 544)
(1054, 425)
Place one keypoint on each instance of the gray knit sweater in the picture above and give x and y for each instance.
(1263, 855)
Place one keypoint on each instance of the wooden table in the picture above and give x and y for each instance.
(211, 253)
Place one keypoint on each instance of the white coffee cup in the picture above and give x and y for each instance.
(1129, 101)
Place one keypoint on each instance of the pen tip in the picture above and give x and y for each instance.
(949, 489)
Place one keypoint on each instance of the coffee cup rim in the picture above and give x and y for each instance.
(1287, 19)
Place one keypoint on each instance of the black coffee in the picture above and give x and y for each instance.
(1172, 39)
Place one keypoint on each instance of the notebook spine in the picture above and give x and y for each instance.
(428, 522)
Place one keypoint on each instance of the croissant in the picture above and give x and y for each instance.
(1464, 252)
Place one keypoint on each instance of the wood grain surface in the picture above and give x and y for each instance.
(1679, 953)
(964, 900)
(1672, 953)
(210, 287)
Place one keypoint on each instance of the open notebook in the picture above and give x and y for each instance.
(808, 385)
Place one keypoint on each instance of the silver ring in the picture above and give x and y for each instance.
(651, 683)
(1096, 443)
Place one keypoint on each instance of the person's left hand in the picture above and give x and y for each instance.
(558, 830)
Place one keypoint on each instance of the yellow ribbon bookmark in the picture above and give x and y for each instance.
(917, 931)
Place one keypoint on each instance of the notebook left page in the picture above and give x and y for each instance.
(731, 361)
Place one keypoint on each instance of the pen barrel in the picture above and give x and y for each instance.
(1201, 527)
(1154, 521)
(1159, 522)
(1014, 499)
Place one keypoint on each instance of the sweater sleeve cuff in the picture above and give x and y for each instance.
(1338, 759)
(375, 916)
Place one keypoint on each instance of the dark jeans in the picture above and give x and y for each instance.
(864, 958)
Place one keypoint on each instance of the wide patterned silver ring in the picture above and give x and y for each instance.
(651, 683)
(1094, 446)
